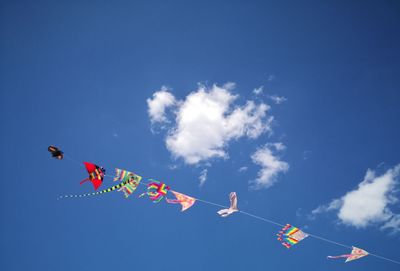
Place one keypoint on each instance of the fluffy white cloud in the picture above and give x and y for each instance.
(369, 203)
(207, 120)
(270, 164)
(161, 100)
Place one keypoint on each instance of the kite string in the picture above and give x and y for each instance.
(211, 203)
(384, 258)
(281, 225)
(329, 241)
(72, 160)
(263, 219)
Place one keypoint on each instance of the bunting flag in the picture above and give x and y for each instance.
(115, 187)
(124, 175)
(131, 178)
(182, 199)
(233, 207)
(290, 235)
(129, 187)
(355, 254)
(156, 191)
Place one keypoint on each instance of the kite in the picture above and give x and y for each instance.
(96, 174)
(132, 181)
(233, 208)
(156, 191)
(183, 199)
(55, 152)
(115, 187)
(356, 253)
(290, 235)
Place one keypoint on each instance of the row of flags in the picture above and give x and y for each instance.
(157, 191)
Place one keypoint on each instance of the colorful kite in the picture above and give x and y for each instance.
(115, 187)
(124, 175)
(183, 199)
(96, 174)
(290, 235)
(131, 178)
(55, 152)
(233, 208)
(356, 253)
(156, 191)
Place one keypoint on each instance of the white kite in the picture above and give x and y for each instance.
(233, 208)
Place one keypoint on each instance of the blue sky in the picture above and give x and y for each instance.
(317, 146)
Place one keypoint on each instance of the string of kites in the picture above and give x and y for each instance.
(157, 191)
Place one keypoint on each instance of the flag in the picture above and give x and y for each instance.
(356, 253)
(131, 179)
(290, 235)
(182, 199)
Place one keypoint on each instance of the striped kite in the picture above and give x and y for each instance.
(156, 191)
(96, 175)
(356, 253)
(131, 178)
(290, 235)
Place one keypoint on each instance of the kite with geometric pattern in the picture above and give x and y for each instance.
(290, 235)
(156, 191)
(131, 178)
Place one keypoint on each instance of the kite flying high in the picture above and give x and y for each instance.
(355, 254)
(96, 174)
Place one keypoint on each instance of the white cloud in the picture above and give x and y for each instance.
(278, 99)
(242, 169)
(271, 77)
(393, 224)
(369, 203)
(270, 164)
(203, 177)
(207, 120)
(161, 100)
(259, 90)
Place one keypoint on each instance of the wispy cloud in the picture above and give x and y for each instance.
(369, 203)
(242, 169)
(278, 99)
(207, 120)
(203, 177)
(271, 77)
(270, 163)
(259, 90)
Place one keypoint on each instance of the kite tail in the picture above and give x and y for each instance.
(339, 256)
(96, 193)
(85, 180)
(173, 200)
